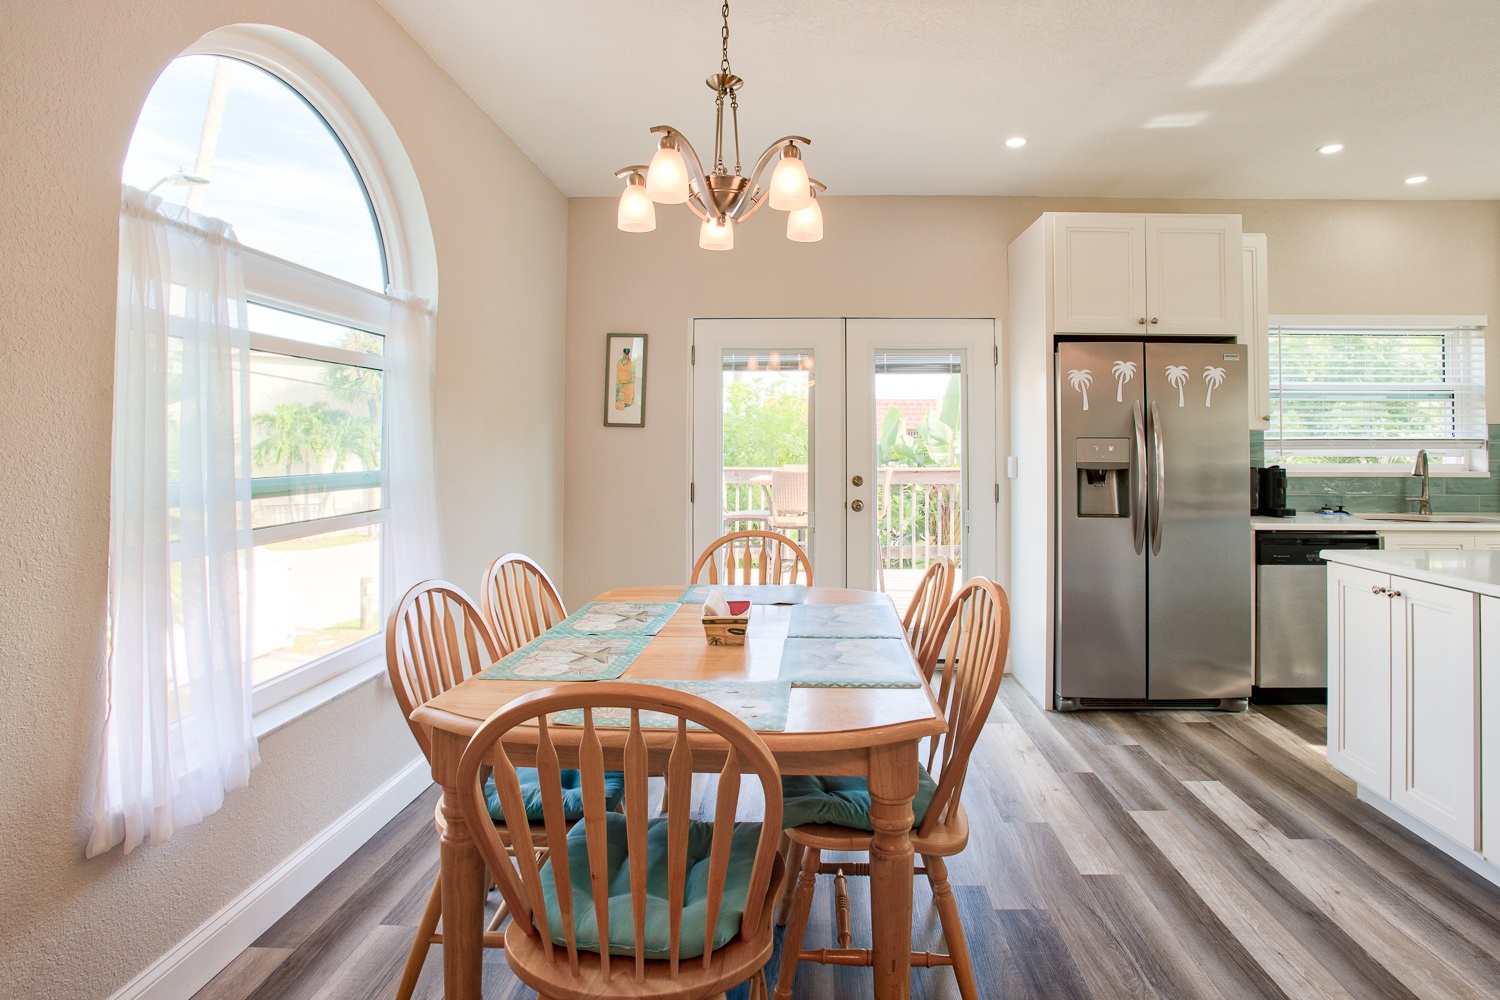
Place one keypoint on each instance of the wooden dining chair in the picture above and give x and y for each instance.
(832, 814)
(928, 603)
(518, 600)
(436, 638)
(628, 905)
(753, 557)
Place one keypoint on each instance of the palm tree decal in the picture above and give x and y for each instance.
(1215, 378)
(1080, 379)
(1177, 376)
(1123, 371)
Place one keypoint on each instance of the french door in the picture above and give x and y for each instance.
(871, 442)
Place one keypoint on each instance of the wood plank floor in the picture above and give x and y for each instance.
(1121, 854)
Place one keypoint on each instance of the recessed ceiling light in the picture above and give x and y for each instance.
(1332, 147)
(1016, 141)
(1419, 179)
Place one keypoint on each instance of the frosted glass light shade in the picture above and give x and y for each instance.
(637, 214)
(667, 177)
(789, 184)
(805, 225)
(713, 236)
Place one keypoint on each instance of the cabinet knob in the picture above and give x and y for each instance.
(1155, 320)
(1266, 418)
(1377, 590)
(1142, 321)
(1393, 593)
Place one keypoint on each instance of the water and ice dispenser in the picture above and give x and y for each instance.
(1103, 477)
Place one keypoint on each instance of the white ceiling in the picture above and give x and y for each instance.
(918, 96)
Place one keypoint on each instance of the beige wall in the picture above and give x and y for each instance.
(71, 85)
(627, 519)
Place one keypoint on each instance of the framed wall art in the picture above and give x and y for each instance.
(625, 380)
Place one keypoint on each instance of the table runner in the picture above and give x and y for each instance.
(844, 621)
(755, 593)
(848, 663)
(761, 705)
(569, 658)
(616, 618)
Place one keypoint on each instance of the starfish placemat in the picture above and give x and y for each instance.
(844, 621)
(761, 705)
(569, 658)
(616, 618)
(755, 593)
(848, 663)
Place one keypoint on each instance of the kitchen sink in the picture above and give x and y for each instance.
(1454, 518)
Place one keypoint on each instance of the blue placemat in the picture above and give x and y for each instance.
(845, 621)
(761, 705)
(616, 618)
(755, 593)
(569, 658)
(851, 663)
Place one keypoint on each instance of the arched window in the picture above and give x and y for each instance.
(272, 424)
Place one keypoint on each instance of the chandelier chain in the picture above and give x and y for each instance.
(724, 35)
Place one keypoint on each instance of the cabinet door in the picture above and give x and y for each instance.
(1435, 696)
(1099, 273)
(1193, 275)
(1451, 540)
(1489, 727)
(1359, 675)
(1257, 333)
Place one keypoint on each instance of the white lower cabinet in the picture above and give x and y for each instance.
(1403, 695)
(1429, 540)
(1489, 735)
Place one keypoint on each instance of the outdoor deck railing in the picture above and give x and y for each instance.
(920, 516)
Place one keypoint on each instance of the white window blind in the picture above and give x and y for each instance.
(1375, 390)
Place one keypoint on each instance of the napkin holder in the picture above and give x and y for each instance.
(730, 629)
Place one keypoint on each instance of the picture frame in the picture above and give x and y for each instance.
(625, 380)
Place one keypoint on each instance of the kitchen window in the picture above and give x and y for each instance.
(1362, 395)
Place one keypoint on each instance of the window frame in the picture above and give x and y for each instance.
(1475, 460)
(291, 287)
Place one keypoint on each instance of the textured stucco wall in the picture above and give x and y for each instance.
(72, 79)
(627, 519)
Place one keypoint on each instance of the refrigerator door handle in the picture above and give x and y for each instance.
(1158, 478)
(1138, 509)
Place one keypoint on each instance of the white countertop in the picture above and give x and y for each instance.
(1321, 522)
(1478, 572)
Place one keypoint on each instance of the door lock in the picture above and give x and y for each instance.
(858, 480)
(857, 506)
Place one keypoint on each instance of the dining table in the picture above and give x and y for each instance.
(871, 732)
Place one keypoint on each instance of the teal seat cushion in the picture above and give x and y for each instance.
(844, 801)
(572, 789)
(658, 926)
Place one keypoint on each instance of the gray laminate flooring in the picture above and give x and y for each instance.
(1113, 854)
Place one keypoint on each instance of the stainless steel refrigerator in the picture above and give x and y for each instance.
(1153, 536)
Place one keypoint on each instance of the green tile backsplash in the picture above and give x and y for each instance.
(1388, 493)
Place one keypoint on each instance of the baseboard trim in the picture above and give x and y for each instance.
(205, 953)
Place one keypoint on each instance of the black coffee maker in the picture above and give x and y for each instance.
(1268, 492)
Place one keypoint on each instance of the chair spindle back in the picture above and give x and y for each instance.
(753, 557)
(519, 600)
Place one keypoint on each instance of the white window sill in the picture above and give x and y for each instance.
(271, 719)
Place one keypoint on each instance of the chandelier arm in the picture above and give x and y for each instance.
(754, 194)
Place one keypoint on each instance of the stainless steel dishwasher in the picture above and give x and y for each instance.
(1291, 605)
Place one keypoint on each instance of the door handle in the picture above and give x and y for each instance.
(1138, 509)
(857, 505)
(1158, 478)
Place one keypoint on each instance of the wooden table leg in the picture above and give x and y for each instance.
(893, 783)
(462, 876)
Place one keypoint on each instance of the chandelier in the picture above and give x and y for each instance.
(721, 199)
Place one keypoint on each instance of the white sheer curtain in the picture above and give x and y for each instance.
(178, 725)
(412, 547)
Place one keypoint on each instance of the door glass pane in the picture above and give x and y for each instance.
(767, 421)
(919, 460)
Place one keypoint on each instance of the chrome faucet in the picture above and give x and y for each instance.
(1420, 469)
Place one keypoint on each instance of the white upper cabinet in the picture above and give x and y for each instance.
(1257, 333)
(1147, 275)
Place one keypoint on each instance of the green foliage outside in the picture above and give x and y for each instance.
(765, 422)
(937, 441)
